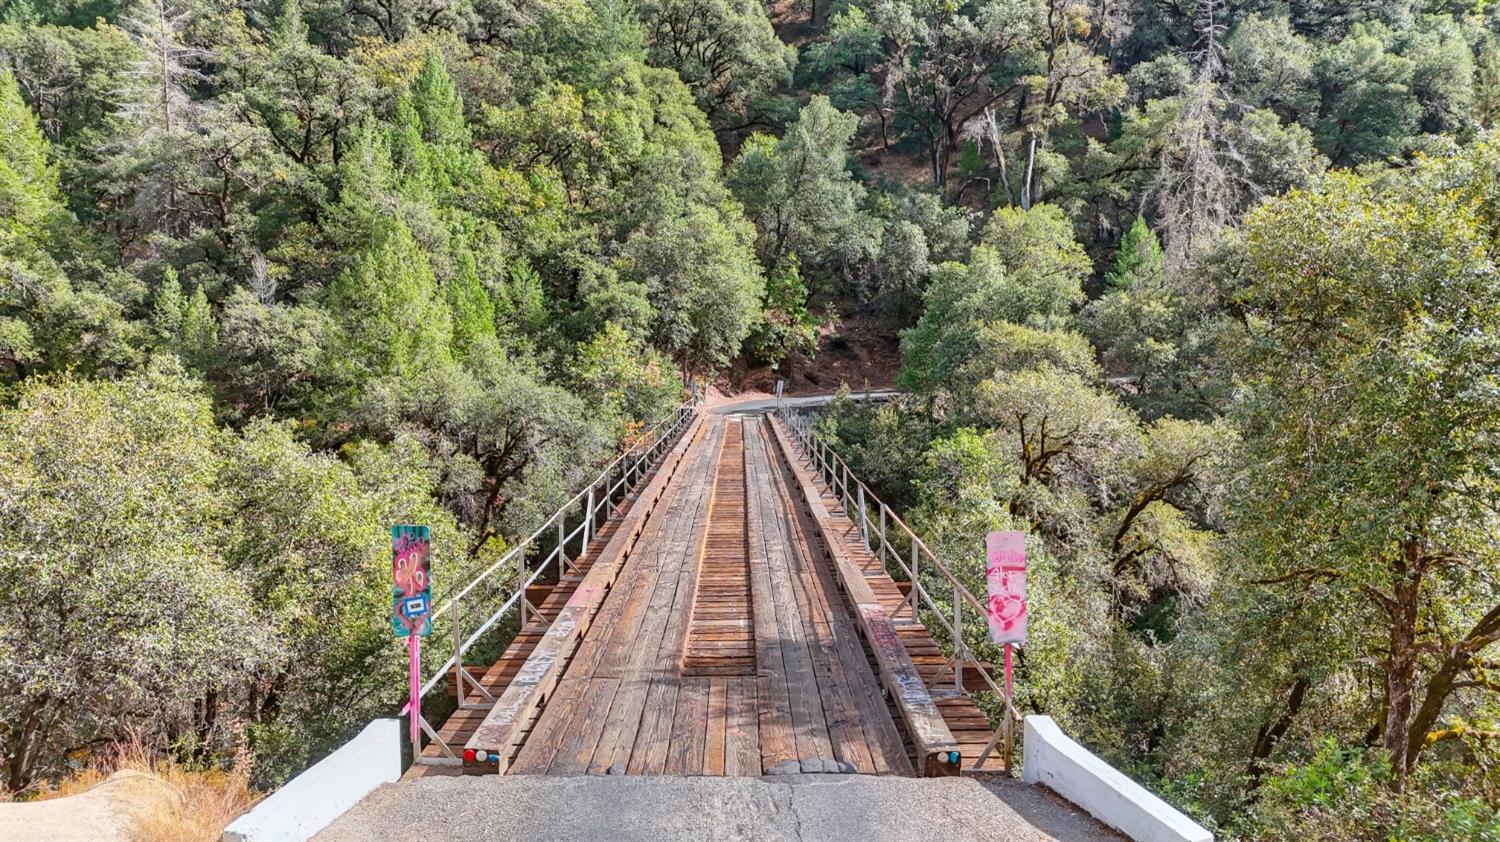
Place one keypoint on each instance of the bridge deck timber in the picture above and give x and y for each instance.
(737, 627)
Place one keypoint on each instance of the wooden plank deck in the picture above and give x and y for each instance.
(738, 627)
(505, 725)
(721, 639)
(631, 700)
(966, 722)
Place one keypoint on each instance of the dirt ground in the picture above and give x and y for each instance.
(855, 350)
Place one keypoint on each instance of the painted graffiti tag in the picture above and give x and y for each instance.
(1006, 571)
(411, 581)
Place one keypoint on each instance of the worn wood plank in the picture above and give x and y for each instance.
(809, 722)
(742, 728)
(937, 752)
(500, 733)
(773, 697)
(716, 740)
(584, 727)
(689, 728)
(549, 732)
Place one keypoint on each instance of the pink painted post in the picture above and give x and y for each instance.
(414, 705)
(1006, 572)
(1007, 673)
(411, 611)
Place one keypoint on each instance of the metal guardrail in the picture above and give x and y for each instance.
(857, 500)
(500, 588)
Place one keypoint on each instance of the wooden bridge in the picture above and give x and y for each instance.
(725, 613)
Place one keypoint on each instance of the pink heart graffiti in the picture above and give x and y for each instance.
(1006, 573)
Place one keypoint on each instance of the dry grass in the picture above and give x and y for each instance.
(207, 799)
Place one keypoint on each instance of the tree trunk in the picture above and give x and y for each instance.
(20, 763)
(1401, 662)
(1030, 173)
(1445, 679)
(1271, 732)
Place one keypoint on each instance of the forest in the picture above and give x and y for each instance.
(1201, 295)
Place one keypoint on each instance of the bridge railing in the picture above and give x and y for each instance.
(937, 594)
(498, 592)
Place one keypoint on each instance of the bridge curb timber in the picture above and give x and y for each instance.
(501, 732)
(937, 751)
(1055, 761)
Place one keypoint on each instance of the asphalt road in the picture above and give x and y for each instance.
(754, 405)
(846, 808)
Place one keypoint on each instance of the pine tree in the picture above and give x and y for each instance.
(388, 305)
(167, 310)
(473, 310)
(30, 200)
(288, 30)
(409, 152)
(1139, 258)
(21, 14)
(438, 104)
(200, 333)
(1487, 84)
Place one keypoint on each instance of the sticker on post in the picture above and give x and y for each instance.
(1006, 571)
(411, 581)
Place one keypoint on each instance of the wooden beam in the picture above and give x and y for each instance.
(500, 734)
(937, 752)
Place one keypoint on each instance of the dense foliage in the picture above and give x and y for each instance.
(1264, 551)
(1200, 295)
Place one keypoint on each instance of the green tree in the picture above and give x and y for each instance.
(1045, 263)
(46, 322)
(636, 384)
(268, 354)
(391, 317)
(307, 101)
(124, 612)
(1368, 110)
(801, 195)
(1139, 260)
(1375, 338)
(725, 50)
(786, 329)
(702, 278)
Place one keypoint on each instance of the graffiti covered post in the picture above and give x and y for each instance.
(411, 609)
(1005, 569)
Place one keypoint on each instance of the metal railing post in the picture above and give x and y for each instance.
(562, 549)
(458, 653)
(588, 520)
(521, 587)
(958, 638)
(864, 517)
(916, 578)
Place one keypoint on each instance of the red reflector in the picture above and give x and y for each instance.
(468, 755)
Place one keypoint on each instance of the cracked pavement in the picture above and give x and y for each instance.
(849, 808)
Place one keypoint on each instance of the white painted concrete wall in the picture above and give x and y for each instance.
(312, 800)
(1072, 771)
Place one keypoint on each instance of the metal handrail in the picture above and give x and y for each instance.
(675, 416)
(856, 497)
(594, 504)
